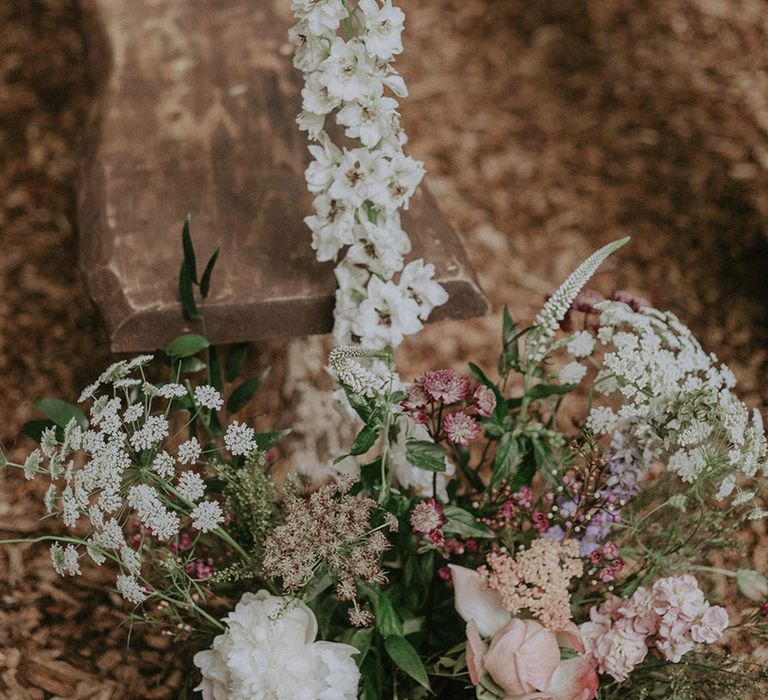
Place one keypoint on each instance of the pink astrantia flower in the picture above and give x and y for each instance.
(427, 518)
(484, 400)
(461, 429)
(445, 385)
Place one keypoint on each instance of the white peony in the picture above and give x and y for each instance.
(269, 652)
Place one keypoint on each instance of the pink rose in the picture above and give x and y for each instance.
(477, 603)
(524, 658)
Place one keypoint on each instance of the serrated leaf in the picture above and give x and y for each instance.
(462, 522)
(205, 280)
(186, 346)
(190, 260)
(508, 456)
(235, 361)
(187, 296)
(365, 440)
(425, 455)
(61, 412)
(266, 441)
(543, 391)
(401, 651)
(244, 393)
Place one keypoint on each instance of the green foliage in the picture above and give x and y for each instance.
(186, 346)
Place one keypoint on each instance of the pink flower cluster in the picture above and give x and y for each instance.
(427, 519)
(673, 617)
(427, 397)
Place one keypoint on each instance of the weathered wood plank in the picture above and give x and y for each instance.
(196, 114)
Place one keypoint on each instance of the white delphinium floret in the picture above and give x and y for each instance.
(145, 500)
(572, 373)
(418, 281)
(386, 316)
(321, 16)
(332, 227)
(239, 438)
(189, 452)
(384, 28)
(269, 650)
(370, 118)
(380, 249)
(130, 589)
(191, 486)
(208, 397)
(164, 465)
(359, 177)
(207, 516)
(349, 72)
(154, 430)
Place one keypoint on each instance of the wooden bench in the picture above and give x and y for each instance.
(196, 113)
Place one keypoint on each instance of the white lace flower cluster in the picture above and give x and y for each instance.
(359, 191)
(677, 402)
(121, 470)
(269, 651)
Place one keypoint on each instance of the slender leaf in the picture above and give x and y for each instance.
(61, 412)
(461, 522)
(235, 361)
(508, 456)
(187, 296)
(190, 260)
(365, 439)
(205, 280)
(524, 472)
(214, 363)
(388, 620)
(361, 640)
(401, 651)
(244, 393)
(187, 345)
(542, 391)
(425, 455)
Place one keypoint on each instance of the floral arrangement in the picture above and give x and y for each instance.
(544, 529)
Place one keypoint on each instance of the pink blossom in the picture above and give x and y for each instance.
(445, 385)
(484, 400)
(415, 397)
(524, 660)
(461, 429)
(710, 626)
(681, 593)
(619, 650)
(427, 516)
(674, 636)
(639, 612)
(476, 602)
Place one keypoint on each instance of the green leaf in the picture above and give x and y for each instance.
(35, 428)
(388, 620)
(205, 281)
(361, 640)
(365, 440)
(235, 361)
(61, 412)
(190, 365)
(187, 296)
(244, 393)
(401, 651)
(215, 365)
(525, 471)
(190, 260)
(266, 441)
(461, 522)
(186, 346)
(508, 456)
(425, 455)
(542, 391)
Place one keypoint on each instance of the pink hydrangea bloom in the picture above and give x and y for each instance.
(679, 593)
(619, 650)
(484, 400)
(461, 429)
(445, 385)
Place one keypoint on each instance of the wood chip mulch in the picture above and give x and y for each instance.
(548, 128)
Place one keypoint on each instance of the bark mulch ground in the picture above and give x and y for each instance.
(547, 128)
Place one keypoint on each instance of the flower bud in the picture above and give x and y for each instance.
(752, 584)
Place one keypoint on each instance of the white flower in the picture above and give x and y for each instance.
(349, 72)
(402, 175)
(269, 651)
(321, 16)
(65, 561)
(322, 170)
(207, 516)
(410, 477)
(130, 589)
(386, 316)
(358, 177)
(239, 438)
(208, 397)
(384, 27)
(32, 463)
(380, 249)
(171, 391)
(189, 452)
(370, 118)
(417, 280)
(164, 465)
(572, 373)
(133, 413)
(145, 500)
(155, 429)
(191, 486)
(332, 227)
(602, 420)
(582, 344)
(88, 392)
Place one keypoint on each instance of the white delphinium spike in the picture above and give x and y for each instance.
(344, 362)
(548, 320)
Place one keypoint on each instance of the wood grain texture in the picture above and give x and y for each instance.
(196, 113)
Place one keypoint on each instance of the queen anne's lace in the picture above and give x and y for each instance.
(360, 191)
